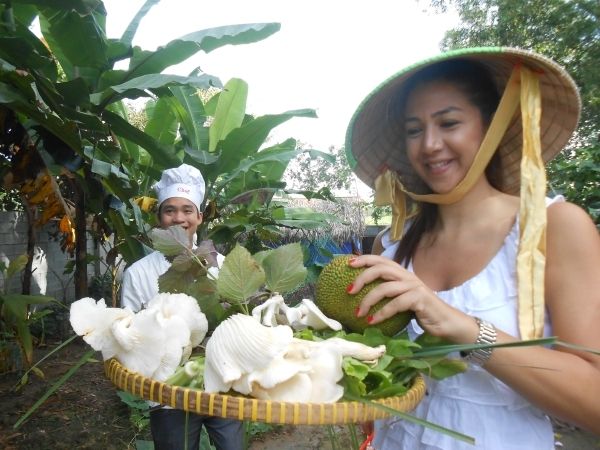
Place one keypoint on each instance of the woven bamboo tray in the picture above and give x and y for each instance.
(244, 408)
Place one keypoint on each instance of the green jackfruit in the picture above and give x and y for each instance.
(336, 303)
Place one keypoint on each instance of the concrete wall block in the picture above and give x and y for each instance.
(49, 260)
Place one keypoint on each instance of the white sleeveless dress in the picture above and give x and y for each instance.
(475, 403)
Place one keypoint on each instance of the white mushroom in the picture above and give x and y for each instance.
(275, 312)
(268, 363)
(293, 390)
(267, 312)
(173, 353)
(356, 350)
(92, 320)
(240, 346)
(142, 343)
(181, 307)
(152, 342)
(311, 316)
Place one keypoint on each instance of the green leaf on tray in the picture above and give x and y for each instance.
(447, 367)
(401, 348)
(241, 276)
(170, 242)
(355, 368)
(284, 268)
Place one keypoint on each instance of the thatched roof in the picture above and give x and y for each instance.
(348, 225)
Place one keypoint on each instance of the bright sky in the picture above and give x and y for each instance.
(328, 55)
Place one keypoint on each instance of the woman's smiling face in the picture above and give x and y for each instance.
(443, 132)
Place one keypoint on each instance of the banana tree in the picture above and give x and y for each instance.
(242, 172)
(64, 94)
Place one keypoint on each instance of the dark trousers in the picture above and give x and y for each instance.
(168, 430)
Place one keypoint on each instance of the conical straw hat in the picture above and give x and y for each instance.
(374, 140)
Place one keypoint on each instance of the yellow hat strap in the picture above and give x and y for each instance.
(389, 191)
(531, 260)
(523, 87)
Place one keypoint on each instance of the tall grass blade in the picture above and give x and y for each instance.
(410, 418)
(21, 382)
(440, 350)
(54, 387)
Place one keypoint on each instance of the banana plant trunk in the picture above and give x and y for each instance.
(81, 281)
(31, 239)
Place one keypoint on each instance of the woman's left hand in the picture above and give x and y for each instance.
(406, 291)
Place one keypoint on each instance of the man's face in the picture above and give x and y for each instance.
(180, 211)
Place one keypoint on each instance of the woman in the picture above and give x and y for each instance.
(442, 141)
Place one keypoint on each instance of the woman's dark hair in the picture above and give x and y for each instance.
(476, 82)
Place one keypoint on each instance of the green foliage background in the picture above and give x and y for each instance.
(567, 31)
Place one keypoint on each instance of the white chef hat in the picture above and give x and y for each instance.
(184, 181)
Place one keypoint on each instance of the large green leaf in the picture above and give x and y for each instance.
(274, 168)
(247, 139)
(106, 169)
(171, 241)
(69, 101)
(17, 303)
(240, 276)
(16, 265)
(136, 87)
(52, 123)
(202, 157)
(191, 114)
(282, 156)
(24, 49)
(78, 40)
(80, 36)
(24, 14)
(129, 247)
(14, 49)
(82, 7)
(284, 268)
(109, 78)
(230, 112)
(252, 189)
(74, 92)
(162, 124)
(129, 147)
(162, 155)
(48, 94)
(178, 50)
(117, 51)
(263, 171)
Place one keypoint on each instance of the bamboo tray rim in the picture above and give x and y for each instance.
(256, 410)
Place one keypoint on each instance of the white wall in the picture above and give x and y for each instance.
(49, 260)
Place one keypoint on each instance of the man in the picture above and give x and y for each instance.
(180, 193)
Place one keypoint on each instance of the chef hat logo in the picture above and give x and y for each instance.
(184, 181)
